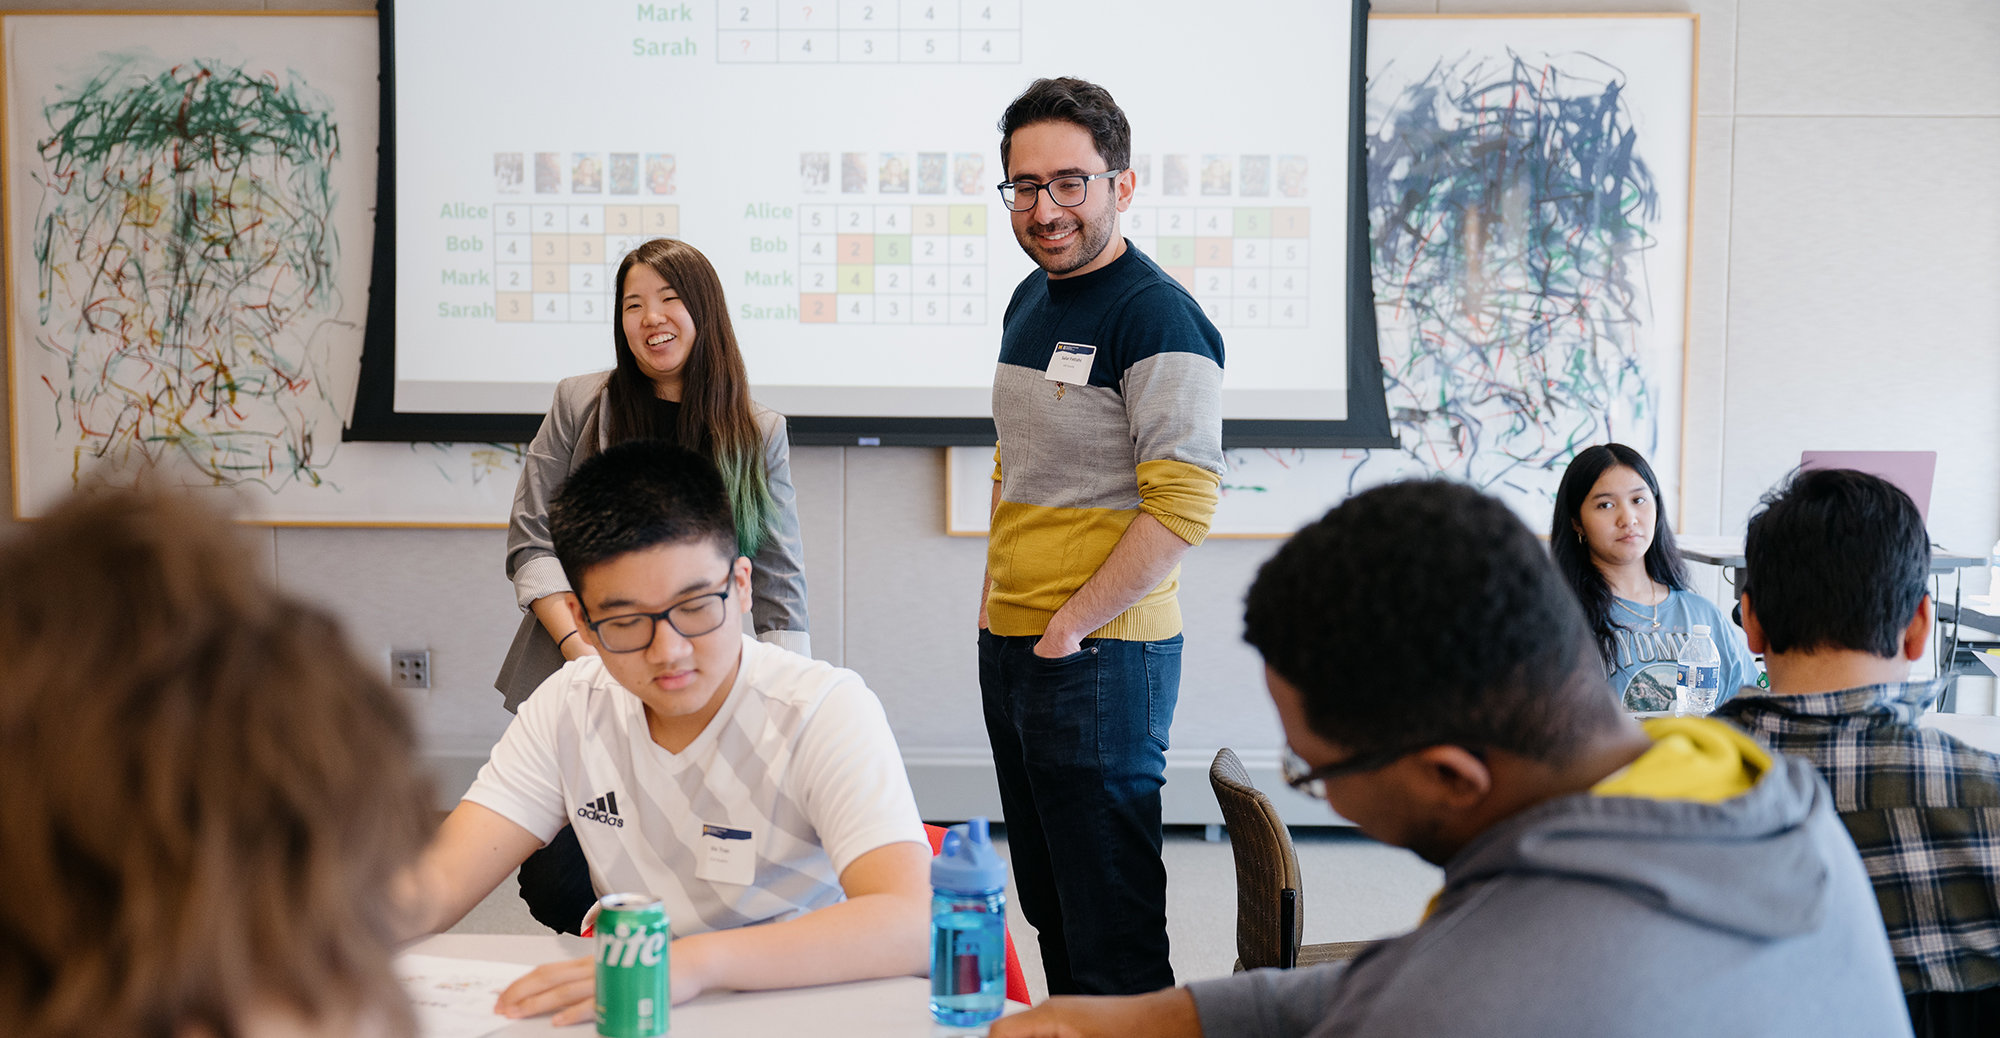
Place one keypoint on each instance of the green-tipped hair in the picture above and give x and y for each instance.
(749, 489)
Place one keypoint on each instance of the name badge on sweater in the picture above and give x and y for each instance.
(726, 856)
(1071, 363)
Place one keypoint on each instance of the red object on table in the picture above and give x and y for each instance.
(1017, 982)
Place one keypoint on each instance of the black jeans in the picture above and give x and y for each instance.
(1951, 1014)
(1079, 746)
(555, 882)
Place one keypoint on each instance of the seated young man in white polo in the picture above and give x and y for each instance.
(737, 782)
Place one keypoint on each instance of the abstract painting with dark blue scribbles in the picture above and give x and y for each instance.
(1514, 219)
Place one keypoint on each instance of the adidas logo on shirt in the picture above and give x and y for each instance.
(603, 809)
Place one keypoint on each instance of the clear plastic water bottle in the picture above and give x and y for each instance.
(968, 928)
(1699, 682)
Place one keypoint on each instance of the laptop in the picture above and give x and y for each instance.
(1910, 471)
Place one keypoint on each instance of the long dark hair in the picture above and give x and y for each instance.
(1572, 556)
(715, 414)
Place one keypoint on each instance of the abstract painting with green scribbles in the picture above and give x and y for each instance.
(186, 261)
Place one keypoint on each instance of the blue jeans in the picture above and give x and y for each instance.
(1079, 745)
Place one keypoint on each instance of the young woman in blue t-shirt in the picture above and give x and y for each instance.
(1611, 540)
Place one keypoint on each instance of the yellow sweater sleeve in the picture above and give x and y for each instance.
(1181, 496)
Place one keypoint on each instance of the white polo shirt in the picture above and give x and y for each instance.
(793, 779)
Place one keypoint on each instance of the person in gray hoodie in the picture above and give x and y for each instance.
(1601, 877)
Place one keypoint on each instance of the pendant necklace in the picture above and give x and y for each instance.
(1653, 619)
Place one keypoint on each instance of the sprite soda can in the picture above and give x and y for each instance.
(632, 937)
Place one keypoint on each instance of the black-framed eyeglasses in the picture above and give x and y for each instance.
(633, 632)
(1068, 192)
(1312, 780)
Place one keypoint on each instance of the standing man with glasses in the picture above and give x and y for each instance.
(1601, 877)
(736, 781)
(1107, 400)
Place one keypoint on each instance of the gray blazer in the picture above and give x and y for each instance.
(574, 431)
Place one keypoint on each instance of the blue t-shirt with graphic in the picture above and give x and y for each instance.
(1643, 671)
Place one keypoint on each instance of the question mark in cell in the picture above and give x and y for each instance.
(809, 14)
(746, 46)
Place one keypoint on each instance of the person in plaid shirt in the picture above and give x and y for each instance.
(1833, 596)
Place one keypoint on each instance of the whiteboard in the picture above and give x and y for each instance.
(187, 290)
(837, 161)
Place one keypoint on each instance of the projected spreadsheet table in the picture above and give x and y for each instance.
(868, 31)
(1246, 265)
(554, 262)
(892, 264)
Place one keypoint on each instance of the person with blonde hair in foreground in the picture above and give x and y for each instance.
(207, 797)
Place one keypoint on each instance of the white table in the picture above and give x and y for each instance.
(1981, 612)
(898, 1007)
(1727, 552)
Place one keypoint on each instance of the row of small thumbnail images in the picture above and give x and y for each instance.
(890, 173)
(1182, 175)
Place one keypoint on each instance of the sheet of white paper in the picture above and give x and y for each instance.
(1992, 662)
(454, 998)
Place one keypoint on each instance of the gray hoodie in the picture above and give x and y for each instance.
(1615, 916)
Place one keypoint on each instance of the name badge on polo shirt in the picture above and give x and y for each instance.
(1070, 365)
(726, 856)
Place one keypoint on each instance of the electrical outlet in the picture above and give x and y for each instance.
(410, 668)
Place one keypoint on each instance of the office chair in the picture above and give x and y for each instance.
(1270, 909)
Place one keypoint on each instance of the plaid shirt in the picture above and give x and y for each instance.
(1924, 810)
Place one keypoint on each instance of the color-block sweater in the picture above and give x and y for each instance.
(1078, 463)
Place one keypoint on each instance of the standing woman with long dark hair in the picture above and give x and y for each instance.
(679, 377)
(1611, 540)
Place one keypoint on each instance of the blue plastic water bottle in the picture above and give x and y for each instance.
(968, 928)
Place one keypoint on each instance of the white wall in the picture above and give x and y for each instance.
(1846, 294)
